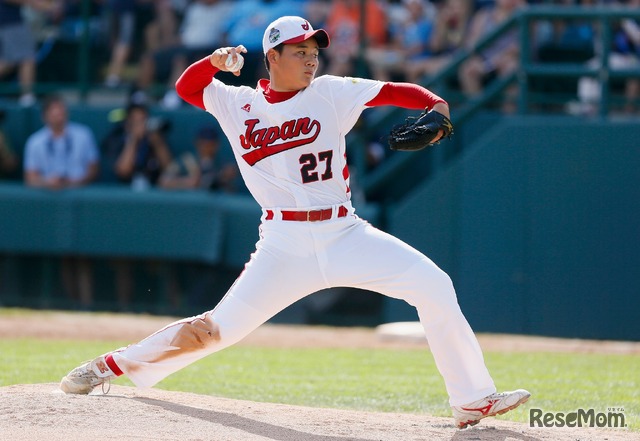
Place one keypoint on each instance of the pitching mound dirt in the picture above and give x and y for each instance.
(43, 412)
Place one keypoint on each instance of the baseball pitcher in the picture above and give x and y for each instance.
(288, 138)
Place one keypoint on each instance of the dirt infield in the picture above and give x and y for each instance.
(42, 411)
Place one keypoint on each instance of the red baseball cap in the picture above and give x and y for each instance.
(291, 29)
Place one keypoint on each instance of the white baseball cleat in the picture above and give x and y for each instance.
(492, 405)
(84, 378)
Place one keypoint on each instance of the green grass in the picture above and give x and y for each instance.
(378, 380)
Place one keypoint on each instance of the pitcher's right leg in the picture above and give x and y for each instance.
(258, 294)
(170, 349)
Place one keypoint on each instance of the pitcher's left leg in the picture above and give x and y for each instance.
(368, 258)
(455, 348)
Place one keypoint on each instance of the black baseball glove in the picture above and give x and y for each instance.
(418, 133)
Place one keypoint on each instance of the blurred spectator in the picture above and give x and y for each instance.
(565, 40)
(500, 58)
(120, 25)
(8, 160)
(162, 30)
(451, 27)
(343, 24)
(135, 151)
(409, 40)
(625, 54)
(72, 20)
(246, 25)
(18, 45)
(202, 170)
(201, 32)
(59, 34)
(60, 155)
(44, 16)
(568, 41)
(317, 12)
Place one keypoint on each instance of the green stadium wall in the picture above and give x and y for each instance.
(536, 222)
(537, 225)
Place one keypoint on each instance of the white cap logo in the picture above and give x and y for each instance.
(274, 35)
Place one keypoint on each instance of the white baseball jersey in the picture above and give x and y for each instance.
(292, 154)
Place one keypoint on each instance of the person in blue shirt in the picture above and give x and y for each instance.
(61, 154)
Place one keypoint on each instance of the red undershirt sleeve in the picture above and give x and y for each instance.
(193, 80)
(405, 95)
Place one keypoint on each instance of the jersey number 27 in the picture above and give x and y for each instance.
(310, 163)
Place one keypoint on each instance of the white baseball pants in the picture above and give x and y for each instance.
(294, 259)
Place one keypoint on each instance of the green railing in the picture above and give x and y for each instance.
(603, 17)
(529, 69)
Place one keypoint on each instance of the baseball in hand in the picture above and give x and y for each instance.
(234, 67)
